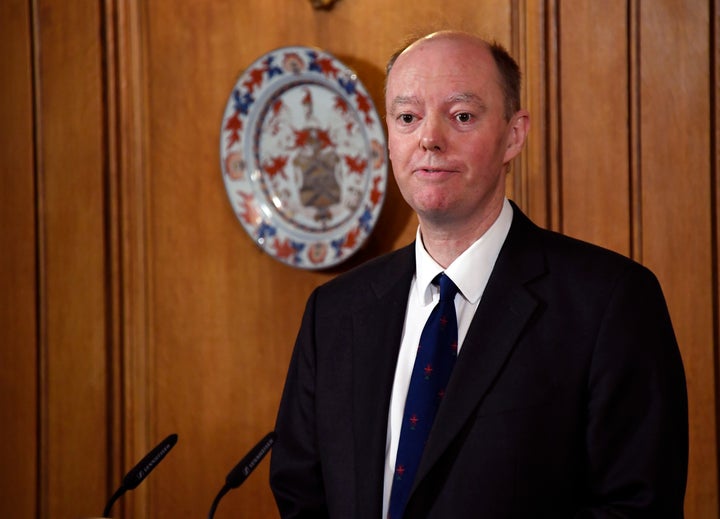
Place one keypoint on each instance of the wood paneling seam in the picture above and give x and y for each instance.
(43, 483)
(634, 136)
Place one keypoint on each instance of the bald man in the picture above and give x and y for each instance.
(567, 396)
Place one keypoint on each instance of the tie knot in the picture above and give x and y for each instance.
(447, 288)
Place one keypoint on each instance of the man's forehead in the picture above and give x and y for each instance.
(443, 59)
(447, 42)
(417, 83)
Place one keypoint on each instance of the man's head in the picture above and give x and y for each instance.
(454, 124)
(509, 72)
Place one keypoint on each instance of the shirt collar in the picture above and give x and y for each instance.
(471, 270)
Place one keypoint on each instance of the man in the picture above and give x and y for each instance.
(567, 397)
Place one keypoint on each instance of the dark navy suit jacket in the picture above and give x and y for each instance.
(568, 398)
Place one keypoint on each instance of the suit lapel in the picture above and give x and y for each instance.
(505, 308)
(377, 332)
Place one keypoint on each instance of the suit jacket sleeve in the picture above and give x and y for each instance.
(636, 434)
(295, 471)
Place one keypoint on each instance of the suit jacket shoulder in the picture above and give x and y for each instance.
(369, 282)
(566, 270)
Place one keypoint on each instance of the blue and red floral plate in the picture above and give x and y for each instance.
(304, 157)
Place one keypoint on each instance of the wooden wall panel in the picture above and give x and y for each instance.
(18, 317)
(131, 389)
(595, 187)
(676, 208)
(533, 181)
(74, 431)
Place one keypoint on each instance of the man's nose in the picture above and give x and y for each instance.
(432, 137)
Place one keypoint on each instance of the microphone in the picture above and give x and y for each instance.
(140, 471)
(242, 470)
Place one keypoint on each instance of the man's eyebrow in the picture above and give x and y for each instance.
(404, 100)
(461, 97)
(466, 97)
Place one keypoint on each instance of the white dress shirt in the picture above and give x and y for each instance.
(470, 273)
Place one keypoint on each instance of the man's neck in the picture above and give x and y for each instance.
(444, 242)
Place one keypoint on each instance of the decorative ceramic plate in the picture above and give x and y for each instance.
(303, 156)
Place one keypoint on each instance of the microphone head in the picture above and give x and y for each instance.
(140, 471)
(251, 460)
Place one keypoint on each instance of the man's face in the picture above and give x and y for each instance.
(448, 139)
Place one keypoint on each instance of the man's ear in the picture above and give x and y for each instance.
(519, 126)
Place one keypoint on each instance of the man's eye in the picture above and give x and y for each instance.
(463, 117)
(406, 118)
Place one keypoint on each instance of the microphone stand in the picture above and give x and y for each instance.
(224, 490)
(120, 491)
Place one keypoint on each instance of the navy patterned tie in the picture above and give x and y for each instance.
(433, 364)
